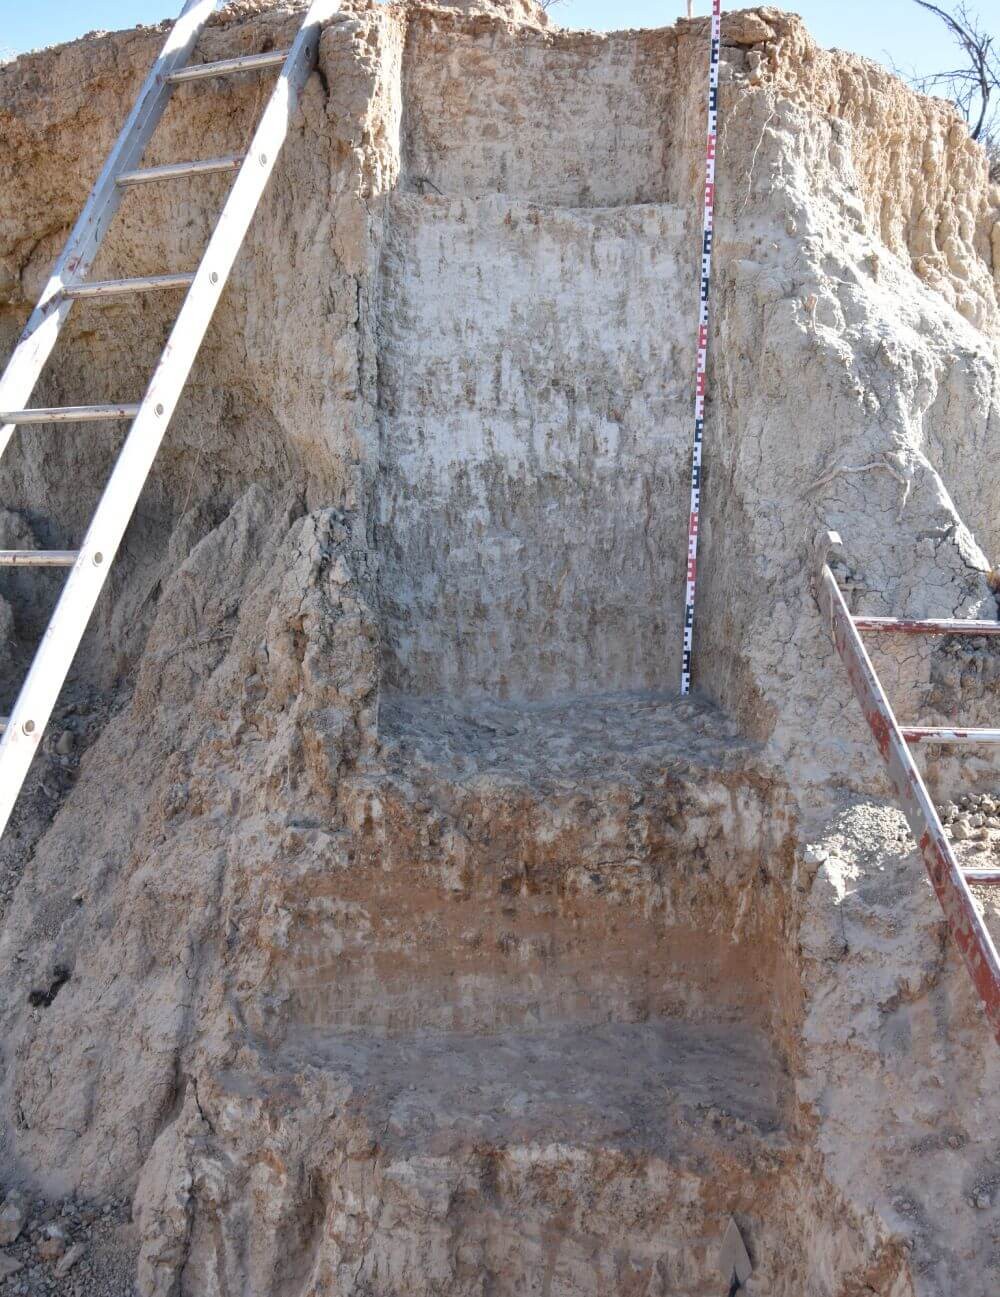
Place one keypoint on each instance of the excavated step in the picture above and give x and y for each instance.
(605, 1160)
(609, 858)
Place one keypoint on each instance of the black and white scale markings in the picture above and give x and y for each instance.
(702, 364)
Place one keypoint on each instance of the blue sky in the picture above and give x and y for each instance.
(889, 29)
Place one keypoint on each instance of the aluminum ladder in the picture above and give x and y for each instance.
(89, 565)
(949, 879)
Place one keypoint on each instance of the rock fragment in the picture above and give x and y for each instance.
(9, 1266)
(69, 1260)
(747, 29)
(734, 1260)
(13, 1215)
(52, 1244)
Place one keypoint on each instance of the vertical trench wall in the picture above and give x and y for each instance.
(854, 375)
(534, 323)
(534, 326)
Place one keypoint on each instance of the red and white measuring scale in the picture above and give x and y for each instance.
(701, 371)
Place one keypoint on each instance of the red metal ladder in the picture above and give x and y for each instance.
(950, 880)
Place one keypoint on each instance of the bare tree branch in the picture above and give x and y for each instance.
(975, 85)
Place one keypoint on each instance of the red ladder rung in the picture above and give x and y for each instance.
(942, 734)
(939, 626)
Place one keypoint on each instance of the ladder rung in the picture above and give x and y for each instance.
(984, 877)
(69, 414)
(38, 557)
(947, 626)
(933, 734)
(115, 287)
(226, 67)
(173, 170)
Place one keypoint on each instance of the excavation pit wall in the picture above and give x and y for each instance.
(538, 246)
(383, 682)
(520, 868)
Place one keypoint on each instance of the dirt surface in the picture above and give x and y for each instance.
(71, 1248)
(375, 919)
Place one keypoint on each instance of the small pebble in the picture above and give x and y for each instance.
(9, 1265)
(53, 1243)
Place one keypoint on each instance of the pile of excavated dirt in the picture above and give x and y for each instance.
(376, 920)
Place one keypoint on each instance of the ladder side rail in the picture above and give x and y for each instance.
(59, 644)
(964, 920)
(45, 322)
